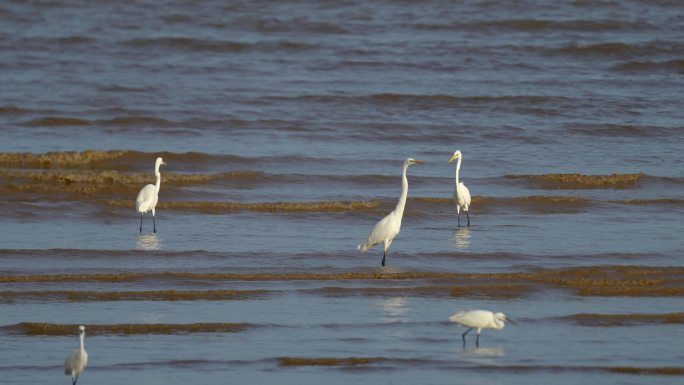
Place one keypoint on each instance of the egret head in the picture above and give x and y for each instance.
(160, 162)
(456, 155)
(502, 318)
(410, 161)
(81, 329)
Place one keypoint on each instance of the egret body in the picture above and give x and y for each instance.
(76, 361)
(388, 228)
(461, 192)
(480, 319)
(149, 195)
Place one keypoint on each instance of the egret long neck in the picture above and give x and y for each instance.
(458, 168)
(158, 175)
(81, 345)
(404, 193)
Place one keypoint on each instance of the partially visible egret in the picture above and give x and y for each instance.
(76, 362)
(480, 319)
(388, 228)
(461, 192)
(149, 195)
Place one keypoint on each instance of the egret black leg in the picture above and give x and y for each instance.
(141, 223)
(75, 380)
(459, 219)
(154, 224)
(384, 255)
(464, 334)
(477, 340)
(467, 215)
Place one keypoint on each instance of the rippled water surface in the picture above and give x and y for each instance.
(285, 126)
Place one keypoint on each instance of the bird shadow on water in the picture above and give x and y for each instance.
(461, 238)
(148, 242)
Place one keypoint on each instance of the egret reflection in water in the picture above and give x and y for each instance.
(461, 238)
(148, 242)
(394, 309)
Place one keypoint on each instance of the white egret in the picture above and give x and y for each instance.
(76, 362)
(387, 229)
(480, 319)
(149, 195)
(461, 192)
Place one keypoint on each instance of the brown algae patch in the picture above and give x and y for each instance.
(223, 207)
(585, 319)
(542, 204)
(497, 291)
(161, 295)
(649, 202)
(664, 371)
(58, 159)
(328, 361)
(47, 329)
(580, 181)
(587, 281)
(84, 183)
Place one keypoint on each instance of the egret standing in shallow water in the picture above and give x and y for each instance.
(480, 319)
(76, 361)
(149, 195)
(388, 228)
(461, 192)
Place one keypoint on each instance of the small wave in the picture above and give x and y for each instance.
(676, 66)
(613, 130)
(217, 46)
(187, 44)
(12, 110)
(55, 121)
(622, 50)
(126, 89)
(539, 204)
(609, 320)
(48, 329)
(162, 295)
(426, 100)
(654, 202)
(534, 25)
(328, 361)
(301, 25)
(556, 25)
(580, 181)
(496, 291)
(135, 121)
(228, 207)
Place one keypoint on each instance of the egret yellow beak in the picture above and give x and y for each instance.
(511, 321)
(164, 163)
(415, 161)
(453, 157)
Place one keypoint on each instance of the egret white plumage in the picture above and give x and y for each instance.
(149, 195)
(480, 319)
(388, 227)
(76, 362)
(461, 192)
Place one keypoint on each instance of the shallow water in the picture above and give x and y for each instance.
(284, 126)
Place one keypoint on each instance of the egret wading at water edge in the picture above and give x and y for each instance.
(76, 362)
(388, 228)
(480, 319)
(461, 192)
(149, 195)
